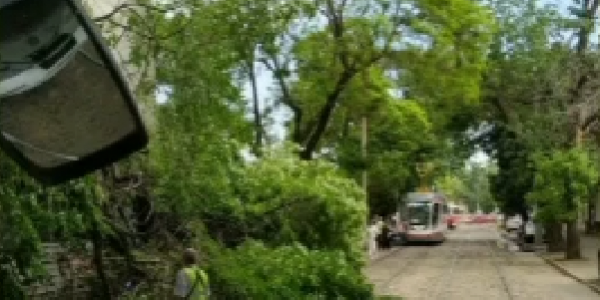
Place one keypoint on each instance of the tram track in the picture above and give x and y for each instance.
(470, 266)
(461, 248)
(496, 263)
(447, 275)
(409, 265)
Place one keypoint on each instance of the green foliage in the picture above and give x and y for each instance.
(453, 187)
(201, 130)
(400, 136)
(563, 182)
(469, 186)
(514, 178)
(309, 216)
(200, 175)
(287, 201)
(527, 84)
(255, 271)
(476, 178)
(446, 75)
(517, 76)
(30, 214)
(400, 133)
(365, 95)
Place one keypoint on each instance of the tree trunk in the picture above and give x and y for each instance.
(325, 114)
(555, 237)
(104, 287)
(589, 222)
(573, 250)
(258, 123)
(278, 71)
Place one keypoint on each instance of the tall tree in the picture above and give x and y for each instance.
(519, 60)
(539, 84)
(360, 36)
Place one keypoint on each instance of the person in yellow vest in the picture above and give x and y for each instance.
(191, 282)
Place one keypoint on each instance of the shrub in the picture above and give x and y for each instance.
(255, 271)
(307, 202)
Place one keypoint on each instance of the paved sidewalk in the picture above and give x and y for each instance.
(382, 253)
(586, 270)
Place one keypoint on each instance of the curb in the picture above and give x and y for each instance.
(565, 272)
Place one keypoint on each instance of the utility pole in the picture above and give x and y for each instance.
(363, 149)
(363, 140)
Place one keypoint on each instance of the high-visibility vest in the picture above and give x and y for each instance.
(201, 289)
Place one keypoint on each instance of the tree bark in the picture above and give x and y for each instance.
(279, 70)
(98, 245)
(573, 250)
(589, 222)
(258, 123)
(325, 115)
(556, 242)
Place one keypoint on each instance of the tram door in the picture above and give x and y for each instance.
(437, 215)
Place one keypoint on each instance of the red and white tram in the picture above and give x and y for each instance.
(425, 217)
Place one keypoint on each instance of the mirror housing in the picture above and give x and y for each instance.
(65, 107)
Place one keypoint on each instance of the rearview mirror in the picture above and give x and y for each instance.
(65, 107)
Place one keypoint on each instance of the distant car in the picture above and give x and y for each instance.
(37, 40)
(513, 223)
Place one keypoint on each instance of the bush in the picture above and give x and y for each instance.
(564, 181)
(307, 202)
(255, 271)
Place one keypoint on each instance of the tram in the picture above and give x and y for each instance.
(425, 215)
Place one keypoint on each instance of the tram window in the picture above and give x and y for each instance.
(436, 213)
(419, 213)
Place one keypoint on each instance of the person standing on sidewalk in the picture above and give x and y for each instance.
(372, 238)
(191, 282)
(384, 241)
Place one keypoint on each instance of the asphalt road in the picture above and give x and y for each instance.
(471, 265)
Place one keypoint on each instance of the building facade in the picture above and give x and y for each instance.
(121, 40)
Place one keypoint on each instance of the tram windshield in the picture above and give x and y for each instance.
(418, 213)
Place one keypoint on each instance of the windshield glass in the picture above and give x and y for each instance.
(418, 213)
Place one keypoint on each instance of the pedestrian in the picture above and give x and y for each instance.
(384, 236)
(191, 282)
(379, 222)
(373, 232)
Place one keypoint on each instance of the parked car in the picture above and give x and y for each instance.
(514, 223)
(527, 236)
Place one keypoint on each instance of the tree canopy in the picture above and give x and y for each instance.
(357, 87)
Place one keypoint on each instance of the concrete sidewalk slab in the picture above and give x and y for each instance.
(381, 254)
(585, 271)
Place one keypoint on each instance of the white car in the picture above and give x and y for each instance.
(37, 39)
(513, 226)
